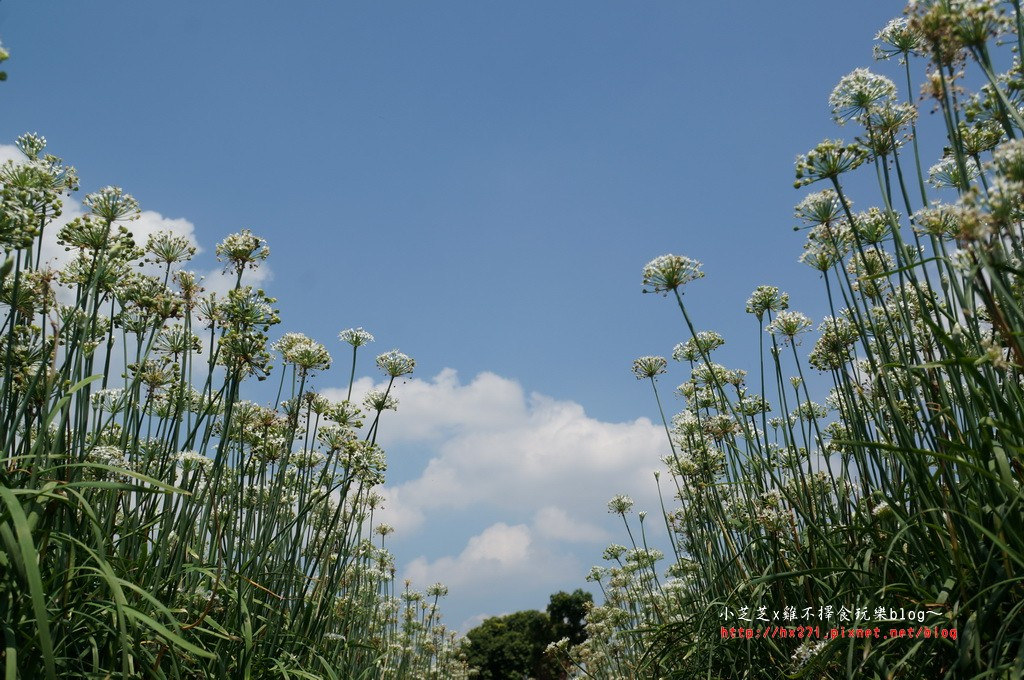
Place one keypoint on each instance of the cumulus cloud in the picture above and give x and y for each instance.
(9, 152)
(555, 523)
(496, 446)
(501, 553)
(516, 482)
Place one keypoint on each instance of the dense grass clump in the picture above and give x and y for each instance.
(894, 501)
(153, 523)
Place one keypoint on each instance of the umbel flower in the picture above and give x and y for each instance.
(821, 207)
(896, 38)
(31, 144)
(167, 248)
(112, 204)
(789, 324)
(648, 367)
(437, 590)
(242, 249)
(304, 352)
(669, 272)
(396, 364)
(379, 400)
(858, 94)
(703, 344)
(1008, 160)
(356, 337)
(946, 173)
(620, 504)
(765, 299)
(828, 160)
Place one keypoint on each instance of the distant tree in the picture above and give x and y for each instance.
(514, 646)
(509, 647)
(4, 55)
(567, 612)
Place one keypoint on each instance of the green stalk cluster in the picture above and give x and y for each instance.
(901, 489)
(153, 523)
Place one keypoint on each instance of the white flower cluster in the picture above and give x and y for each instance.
(357, 337)
(303, 352)
(669, 272)
(396, 364)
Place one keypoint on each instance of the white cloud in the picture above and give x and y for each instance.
(496, 447)
(555, 523)
(499, 554)
(535, 472)
(9, 152)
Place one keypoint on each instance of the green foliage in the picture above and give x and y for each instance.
(510, 646)
(4, 56)
(152, 522)
(902, 488)
(567, 613)
(515, 646)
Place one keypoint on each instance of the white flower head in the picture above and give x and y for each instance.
(396, 364)
(897, 38)
(357, 337)
(31, 144)
(789, 324)
(112, 204)
(767, 298)
(242, 249)
(648, 367)
(859, 93)
(379, 400)
(669, 272)
(620, 504)
(946, 174)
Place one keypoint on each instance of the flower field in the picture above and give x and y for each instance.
(848, 505)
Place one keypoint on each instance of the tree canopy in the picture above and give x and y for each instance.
(514, 646)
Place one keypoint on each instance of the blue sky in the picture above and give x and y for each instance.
(478, 183)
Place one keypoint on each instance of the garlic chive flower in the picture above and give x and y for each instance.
(168, 248)
(111, 400)
(897, 38)
(1008, 160)
(620, 504)
(356, 337)
(939, 219)
(304, 352)
(396, 364)
(669, 272)
(858, 94)
(112, 204)
(833, 348)
(379, 400)
(31, 144)
(437, 590)
(191, 460)
(649, 367)
(946, 174)
(873, 226)
(242, 249)
(820, 207)
(789, 324)
(691, 350)
(807, 651)
(870, 268)
(828, 160)
(765, 299)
